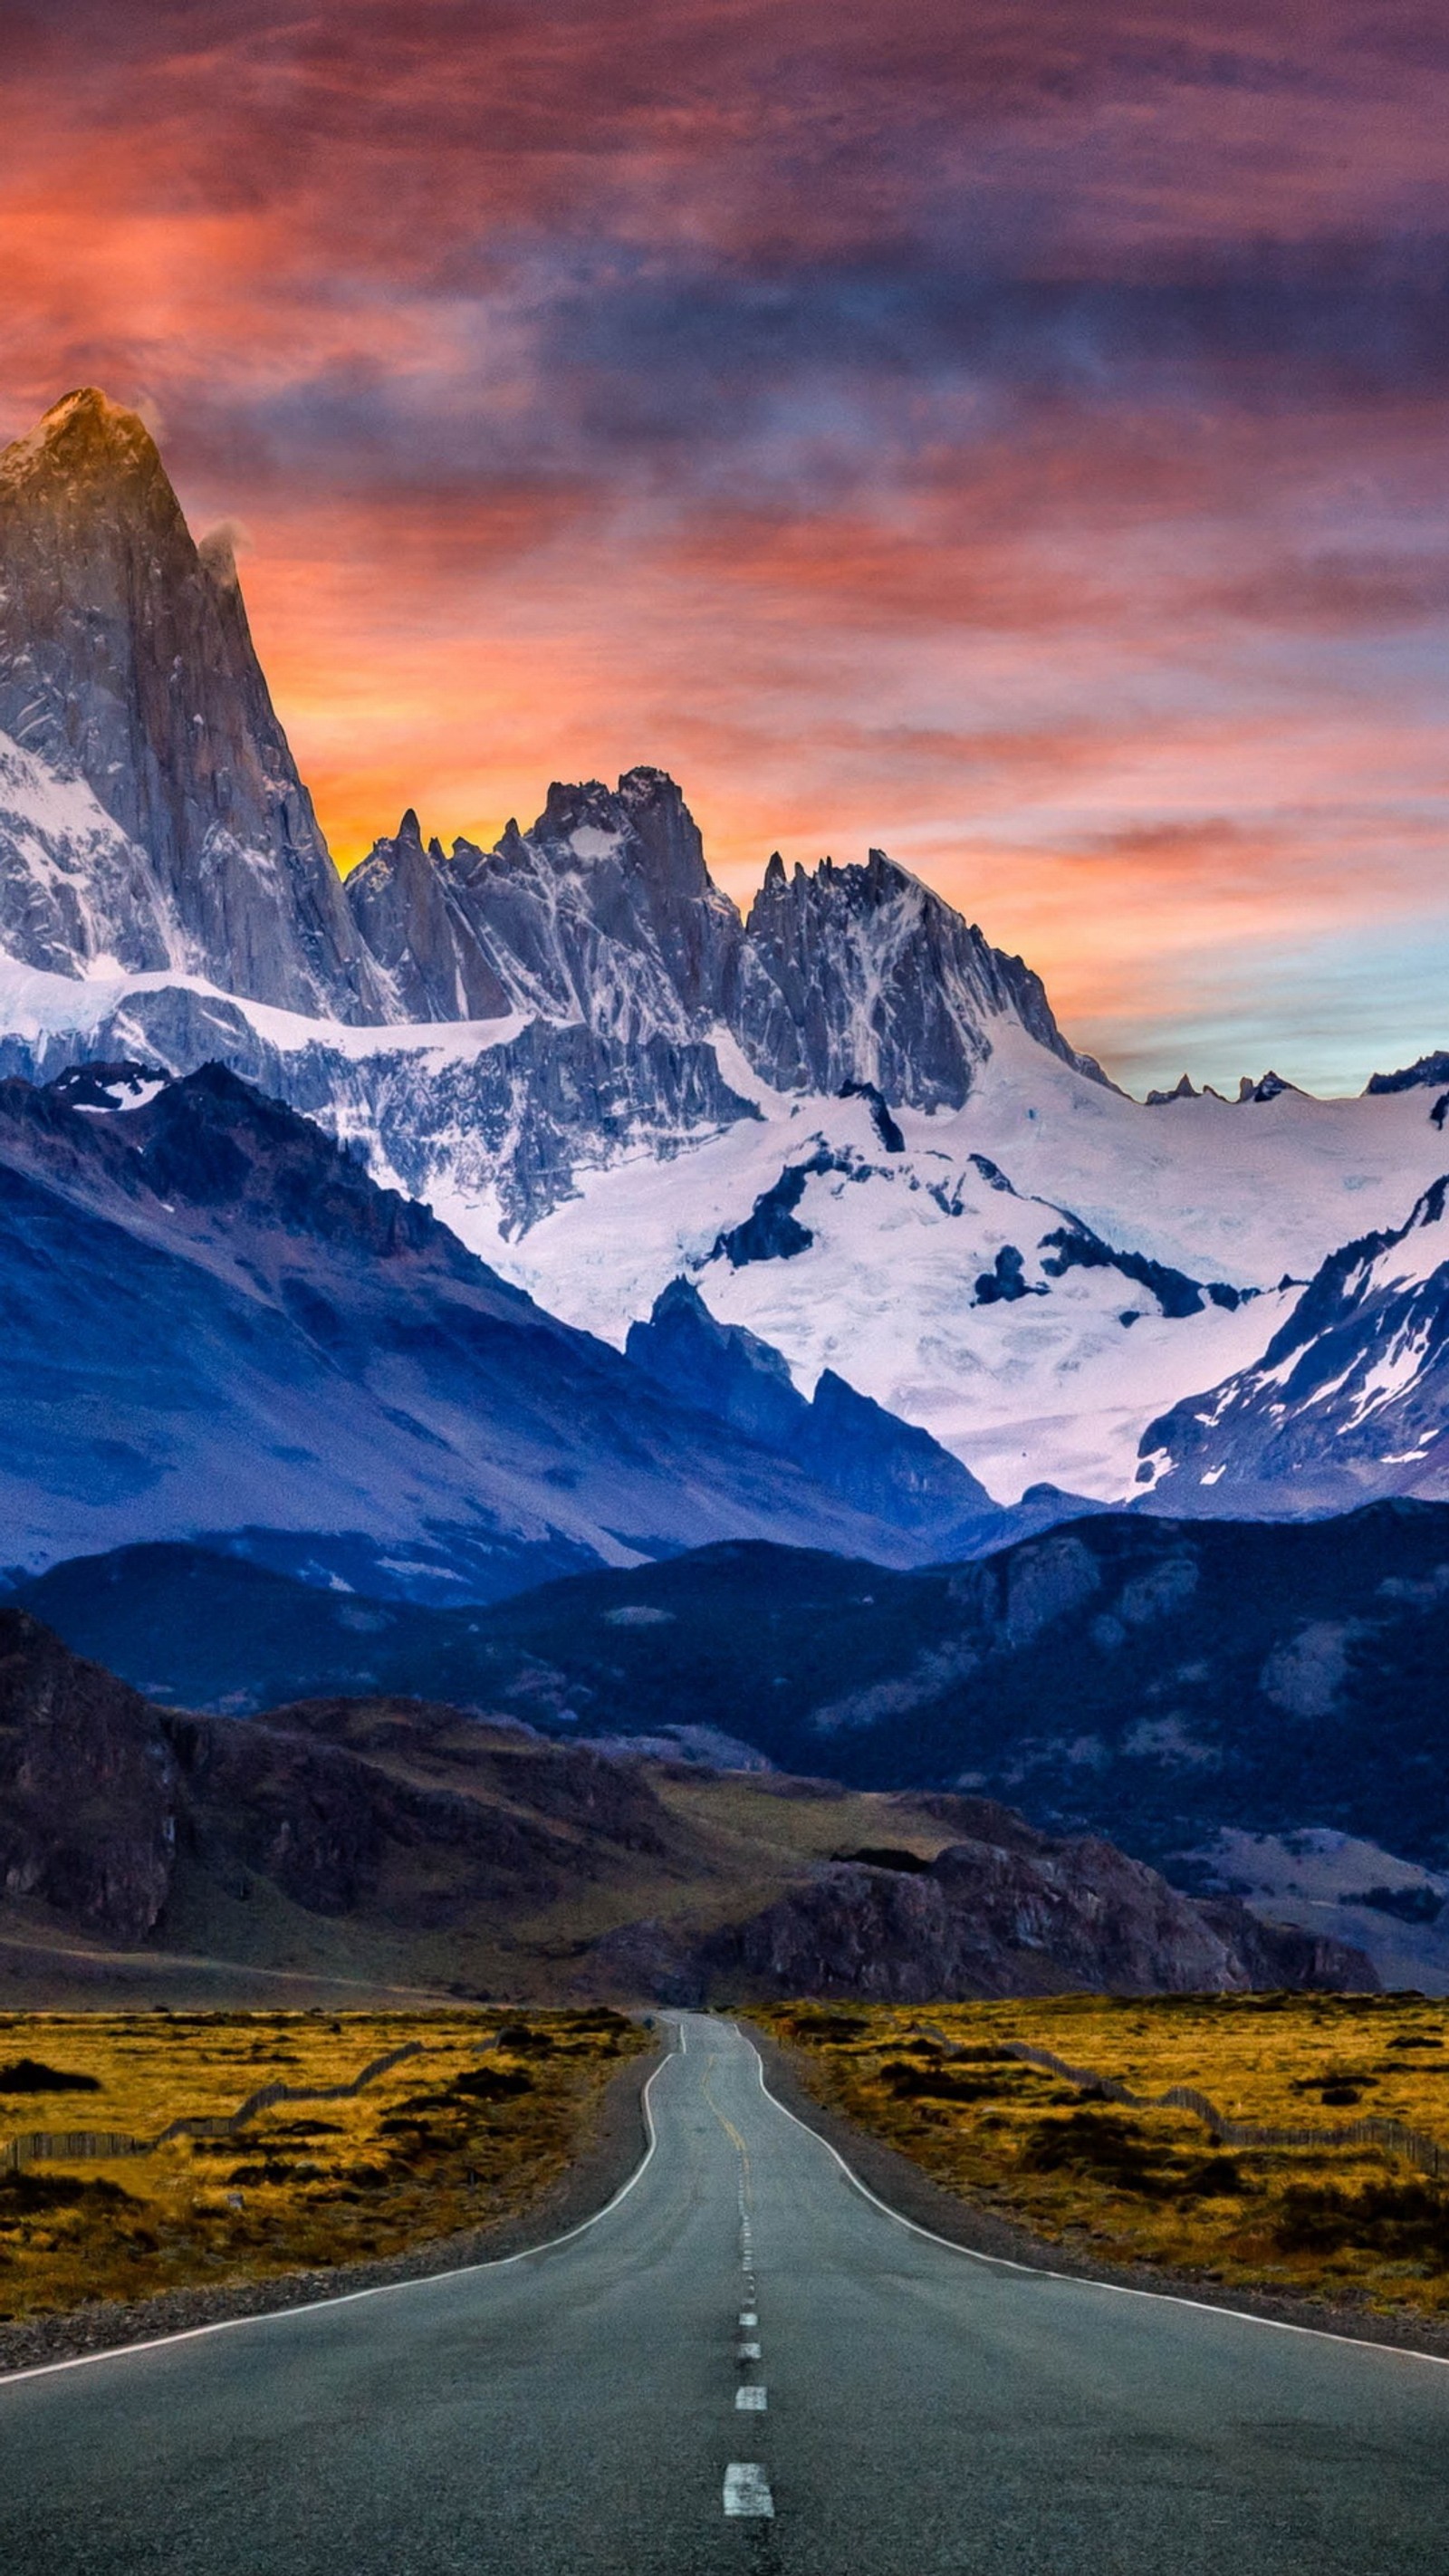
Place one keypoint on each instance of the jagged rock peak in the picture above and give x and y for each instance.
(127, 670)
(643, 825)
(863, 975)
(1268, 1086)
(603, 914)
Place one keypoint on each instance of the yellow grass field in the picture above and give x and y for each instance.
(470, 2129)
(1356, 2225)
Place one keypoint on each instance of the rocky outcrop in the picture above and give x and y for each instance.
(1009, 1912)
(311, 1801)
(855, 1447)
(129, 683)
(861, 976)
(89, 1787)
(603, 914)
(403, 901)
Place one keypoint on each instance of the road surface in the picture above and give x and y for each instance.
(742, 2365)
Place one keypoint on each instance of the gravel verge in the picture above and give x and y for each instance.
(611, 2148)
(912, 2194)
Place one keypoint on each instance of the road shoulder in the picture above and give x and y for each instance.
(613, 2145)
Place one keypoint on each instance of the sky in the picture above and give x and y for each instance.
(1011, 435)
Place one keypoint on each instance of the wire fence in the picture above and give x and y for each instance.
(1392, 2135)
(94, 2146)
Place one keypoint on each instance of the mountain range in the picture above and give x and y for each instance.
(845, 1122)
(217, 1324)
(519, 1280)
(1250, 1707)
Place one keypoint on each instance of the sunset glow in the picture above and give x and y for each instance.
(1011, 436)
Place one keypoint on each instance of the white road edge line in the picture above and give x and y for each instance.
(1078, 2280)
(383, 2289)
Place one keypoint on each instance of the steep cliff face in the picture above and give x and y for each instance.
(402, 900)
(88, 1787)
(603, 914)
(126, 664)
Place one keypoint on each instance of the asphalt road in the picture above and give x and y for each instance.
(577, 2412)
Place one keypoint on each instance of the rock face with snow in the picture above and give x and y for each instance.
(603, 914)
(1349, 1400)
(127, 669)
(856, 976)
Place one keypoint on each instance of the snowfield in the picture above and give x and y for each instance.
(1044, 1383)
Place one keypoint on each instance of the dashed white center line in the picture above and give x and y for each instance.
(747, 2489)
(747, 2352)
(748, 2317)
(750, 2401)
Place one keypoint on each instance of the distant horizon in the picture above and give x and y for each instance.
(1018, 444)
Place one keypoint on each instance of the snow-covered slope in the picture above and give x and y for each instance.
(591, 1174)
(77, 895)
(965, 1281)
(1349, 1401)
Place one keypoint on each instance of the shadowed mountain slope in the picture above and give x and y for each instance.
(384, 1838)
(1158, 1682)
(216, 1323)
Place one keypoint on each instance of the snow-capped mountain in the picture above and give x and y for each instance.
(1349, 1400)
(848, 1123)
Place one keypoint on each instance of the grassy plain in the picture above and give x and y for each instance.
(1356, 2225)
(471, 2129)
